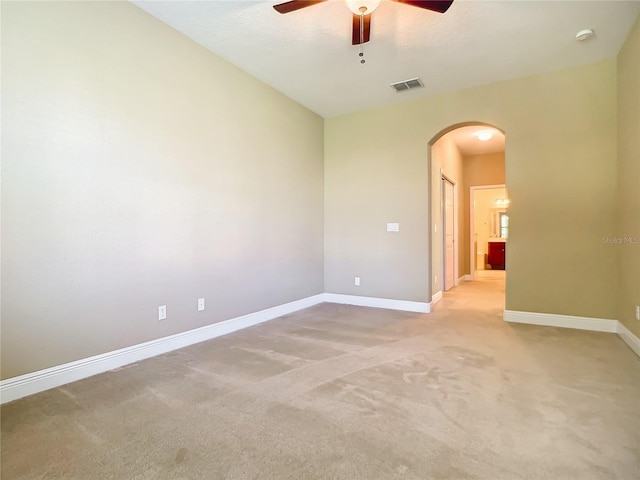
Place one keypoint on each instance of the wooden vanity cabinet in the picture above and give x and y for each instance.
(496, 255)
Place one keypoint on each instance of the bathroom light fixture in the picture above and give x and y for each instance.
(484, 135)
(362, 7)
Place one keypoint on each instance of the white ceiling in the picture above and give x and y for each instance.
(308, 56)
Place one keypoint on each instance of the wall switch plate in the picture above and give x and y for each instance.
(393, 227)
(200, 304)
(356, 281)
(162, 312)
(637, 312)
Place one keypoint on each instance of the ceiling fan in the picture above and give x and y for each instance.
(362, 10)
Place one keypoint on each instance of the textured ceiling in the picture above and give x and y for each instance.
(308, 56)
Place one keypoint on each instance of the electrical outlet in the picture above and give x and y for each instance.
(637, 312)
(162, 312)
(200, 304)
(356, 281)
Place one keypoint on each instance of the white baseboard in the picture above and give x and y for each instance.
(629, 338)
(564, 321)
(436, 297)
(405, 305)
(30, 383)
(468, 277)
(580, 323)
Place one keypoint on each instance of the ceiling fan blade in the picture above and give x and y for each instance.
(366, 31)
(439, 6)
(294, 5)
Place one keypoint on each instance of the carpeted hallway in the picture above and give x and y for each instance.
(343, 392)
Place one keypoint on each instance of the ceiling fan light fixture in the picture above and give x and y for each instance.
(360, 7)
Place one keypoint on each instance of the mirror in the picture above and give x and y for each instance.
(499, 223)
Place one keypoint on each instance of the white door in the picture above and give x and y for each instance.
(449, 234)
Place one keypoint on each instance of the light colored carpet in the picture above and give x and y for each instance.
(342, 392)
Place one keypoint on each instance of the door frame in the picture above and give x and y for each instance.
(472, 225)
(444, 178)
(433, 184)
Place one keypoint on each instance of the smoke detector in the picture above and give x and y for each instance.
(583, 35)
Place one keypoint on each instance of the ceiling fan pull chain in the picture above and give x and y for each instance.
(361, 54)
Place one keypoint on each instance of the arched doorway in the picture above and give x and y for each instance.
(461, 156)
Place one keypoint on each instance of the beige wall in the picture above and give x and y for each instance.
(139, 169)
(561, 145)
(479, 170)
(628, 64)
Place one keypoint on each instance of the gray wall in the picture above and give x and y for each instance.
(139, 169)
